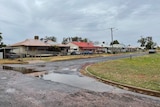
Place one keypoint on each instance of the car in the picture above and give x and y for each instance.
(12, 55)
(87, 52)
(151, 51)
(75, 53)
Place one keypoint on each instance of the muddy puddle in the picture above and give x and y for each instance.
(78, 81)
(70, 78)
(20, 69)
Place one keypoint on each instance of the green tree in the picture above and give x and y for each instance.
(147, 42)
(76, 38)
(1, 37)
(114, 42)
(52, 38)
(1, 43)
(142, 41)
(65, 41)
(150, 44)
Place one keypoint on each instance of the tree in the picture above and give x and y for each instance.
(147, 42)
(65, 41)
(76, 38)
(150, 44)
(52, 38)
(1, 43)
(142, 41)
(1, 37)
(114, 42)
(85, 40)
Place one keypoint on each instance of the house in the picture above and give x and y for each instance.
(118, 48)
(82, 47)
(104, 48)
(6, 51)
(31, 47)
(57, 47)
(132, 48)
(36, 47)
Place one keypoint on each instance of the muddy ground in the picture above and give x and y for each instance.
(19, 90)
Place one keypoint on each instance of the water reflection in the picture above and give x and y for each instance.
(78, 81)
(67, 77)
(19, 69)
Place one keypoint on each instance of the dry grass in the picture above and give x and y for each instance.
(11, 61)
(140, 71)
(48, 59)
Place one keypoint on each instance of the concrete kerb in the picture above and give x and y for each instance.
(123, 86)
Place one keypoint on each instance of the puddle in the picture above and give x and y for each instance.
(78, 81)
(19, 69)
(68, 77)
(41, 65)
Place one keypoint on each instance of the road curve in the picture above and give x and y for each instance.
(65, 86)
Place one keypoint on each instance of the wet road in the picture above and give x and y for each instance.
(67, 72)
(64, 77)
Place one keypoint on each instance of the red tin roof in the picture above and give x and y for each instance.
(85, 45)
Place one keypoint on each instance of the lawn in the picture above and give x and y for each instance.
(141, 71)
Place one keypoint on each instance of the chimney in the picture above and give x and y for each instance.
(36, 37)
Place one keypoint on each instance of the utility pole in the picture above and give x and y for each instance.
(111, 38)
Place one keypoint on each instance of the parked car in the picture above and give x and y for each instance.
(75, 53)
(87, 52)
(152, 51)
(12, 55)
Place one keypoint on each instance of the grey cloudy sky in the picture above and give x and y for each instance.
(22, 19)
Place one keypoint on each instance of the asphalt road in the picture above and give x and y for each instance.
(64, 86)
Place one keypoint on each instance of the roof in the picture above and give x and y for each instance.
(87, 45)
(30, 42)
(50, 42)
(103, 45)
(119, 45)
(62, 45)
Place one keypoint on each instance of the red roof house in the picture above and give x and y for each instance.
(82, 46)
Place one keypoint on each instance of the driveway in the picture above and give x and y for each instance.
(65, 86)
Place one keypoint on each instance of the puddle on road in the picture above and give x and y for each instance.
(19, 69)
(78, 81)
(72, 79)
(41, 65)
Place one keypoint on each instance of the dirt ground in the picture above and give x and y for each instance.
(18, 90)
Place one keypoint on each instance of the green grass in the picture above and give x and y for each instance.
(141, 72)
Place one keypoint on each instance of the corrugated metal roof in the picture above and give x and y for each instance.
(31, 42)
(84, 44)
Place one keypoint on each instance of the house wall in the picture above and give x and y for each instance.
(73, 47)
(19, 50)
(31, 50)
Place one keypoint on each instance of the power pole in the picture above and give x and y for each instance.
(111, 38)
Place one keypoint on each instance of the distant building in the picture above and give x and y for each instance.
(36, 47)
(104, 48)
(82, 47)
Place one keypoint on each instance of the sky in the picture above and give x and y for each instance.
(92, 19)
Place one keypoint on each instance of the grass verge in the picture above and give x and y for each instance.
(49, 59)
(141, 71)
